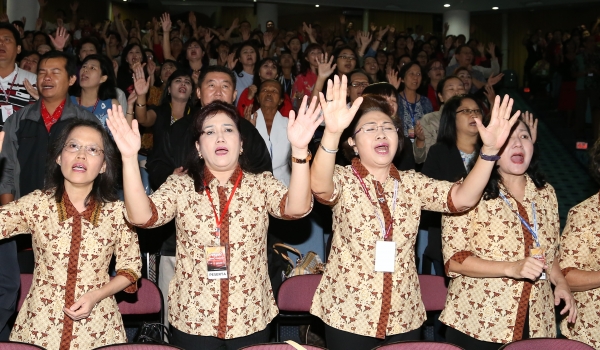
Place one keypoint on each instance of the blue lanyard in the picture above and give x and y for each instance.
(533, 230)
(411, 109)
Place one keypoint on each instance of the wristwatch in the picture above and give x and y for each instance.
(302, 161)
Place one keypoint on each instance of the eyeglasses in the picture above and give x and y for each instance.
(192, 47)
(74, 147)
(478, 112)
(371, 128)
(437, 68)
(349, 58)
(357, 84)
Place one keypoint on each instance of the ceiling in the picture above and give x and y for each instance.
(427, 6)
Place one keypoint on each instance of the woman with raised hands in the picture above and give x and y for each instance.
(502, 255)
(77, 225)
(369, 294)
(220, 296)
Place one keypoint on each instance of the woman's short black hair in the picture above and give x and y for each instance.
(107, 89)
(492, 189)
(194, 165)
(124, 76)
(595, 160)
(370, 103)
(166, 96)
(447, 131)
(440, 88)
(183, 55)
(381, 89)
(89, 40)
(104, 188)
(249, 43)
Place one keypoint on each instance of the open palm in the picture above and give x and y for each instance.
(126, 137)
(495, 134)
(335, 111)
(301, 128)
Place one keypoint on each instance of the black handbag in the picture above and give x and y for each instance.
(153, 333)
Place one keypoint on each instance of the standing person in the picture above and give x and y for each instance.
(246, 56)
(221, 278)
(272, 127)
(96, 91)
(411, 106)
(502, 255)
(366, 298)
(15, 97)
(24, 160)
(305, 81)
(82, 228)
(580, 262)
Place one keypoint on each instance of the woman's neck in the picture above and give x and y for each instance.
(249, 68)
(466, 143)
(515, 184)
(380, 173)
(410, 95)
(78, 193)
(269, 115)
(89, 96)
(178, 108)
(287, 72)
(314, 69)
(196, 64)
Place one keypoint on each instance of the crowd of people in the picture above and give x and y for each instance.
(210, 134)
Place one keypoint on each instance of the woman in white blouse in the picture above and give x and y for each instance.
(272, 126)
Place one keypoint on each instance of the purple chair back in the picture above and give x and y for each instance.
(147, 300)
(9, 345)
(418, 345)
(296, 293)
(433, 292)
(279, 346)
(546, 344)
(26, 280)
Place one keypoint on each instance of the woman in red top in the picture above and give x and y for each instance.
(435, 73)
(305, 81)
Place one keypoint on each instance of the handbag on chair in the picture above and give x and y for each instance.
(309, 264)
(152, 333)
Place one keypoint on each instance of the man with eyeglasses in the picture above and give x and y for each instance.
(29, 132)
(358, 81)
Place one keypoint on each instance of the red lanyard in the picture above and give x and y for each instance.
(10, 88)
(224, 211)
(95, 104)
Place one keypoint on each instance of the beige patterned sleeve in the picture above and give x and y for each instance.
(456, 232)
(128, 258)
(574, 251)
(338, 177)
(435, 195)
(16, 215)
(163, 202)
(276, 196)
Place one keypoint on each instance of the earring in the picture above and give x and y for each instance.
(355, 153)
(200, 155)
(241, 151)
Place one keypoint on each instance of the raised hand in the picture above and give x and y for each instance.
(495, 134)
(165, 21)
(326, 68)
(32, 90)
(38, 24)
(490, 94)
(393, 78)
(495, 79)
(382, 32)
(268, 39)
(126, 137)
(231, 61)
(249, 116)
(419, 132)
(235, 23)
(60, 39)
(252, 90)
(492, 49)
(208, 37)
(131, 101)
(301, 127)
(364, 38)
(151, 67)
(532, 123)
(335, 111)
(481, 49)
(4, 18)
(74, 6)
(192, 19)
(140, 83)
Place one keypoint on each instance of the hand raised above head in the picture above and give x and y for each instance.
(126, 137)
(335, 111)
(495, 134)
(301, 127)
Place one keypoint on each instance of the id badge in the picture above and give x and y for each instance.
(216, 262)
(538, 253)
(7, 111)
(411, 133)
(385, 256)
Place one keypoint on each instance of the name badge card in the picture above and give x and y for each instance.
(385, 256)
(216, 262)
(7, 111)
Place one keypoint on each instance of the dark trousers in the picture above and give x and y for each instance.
(10, 281)
(198, 342)
(340, 340)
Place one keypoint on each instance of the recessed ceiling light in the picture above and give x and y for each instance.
(495, 8)
(316, 5)
(446, 5)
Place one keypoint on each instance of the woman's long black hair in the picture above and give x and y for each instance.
(249, 43)
(124, 73)
(257, 79)
(107, 89)
(447, 132)
(166, 96)
(194, 165)
(104, 187)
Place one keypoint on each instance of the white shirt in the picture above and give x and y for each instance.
(243, 80)
(278, 144)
